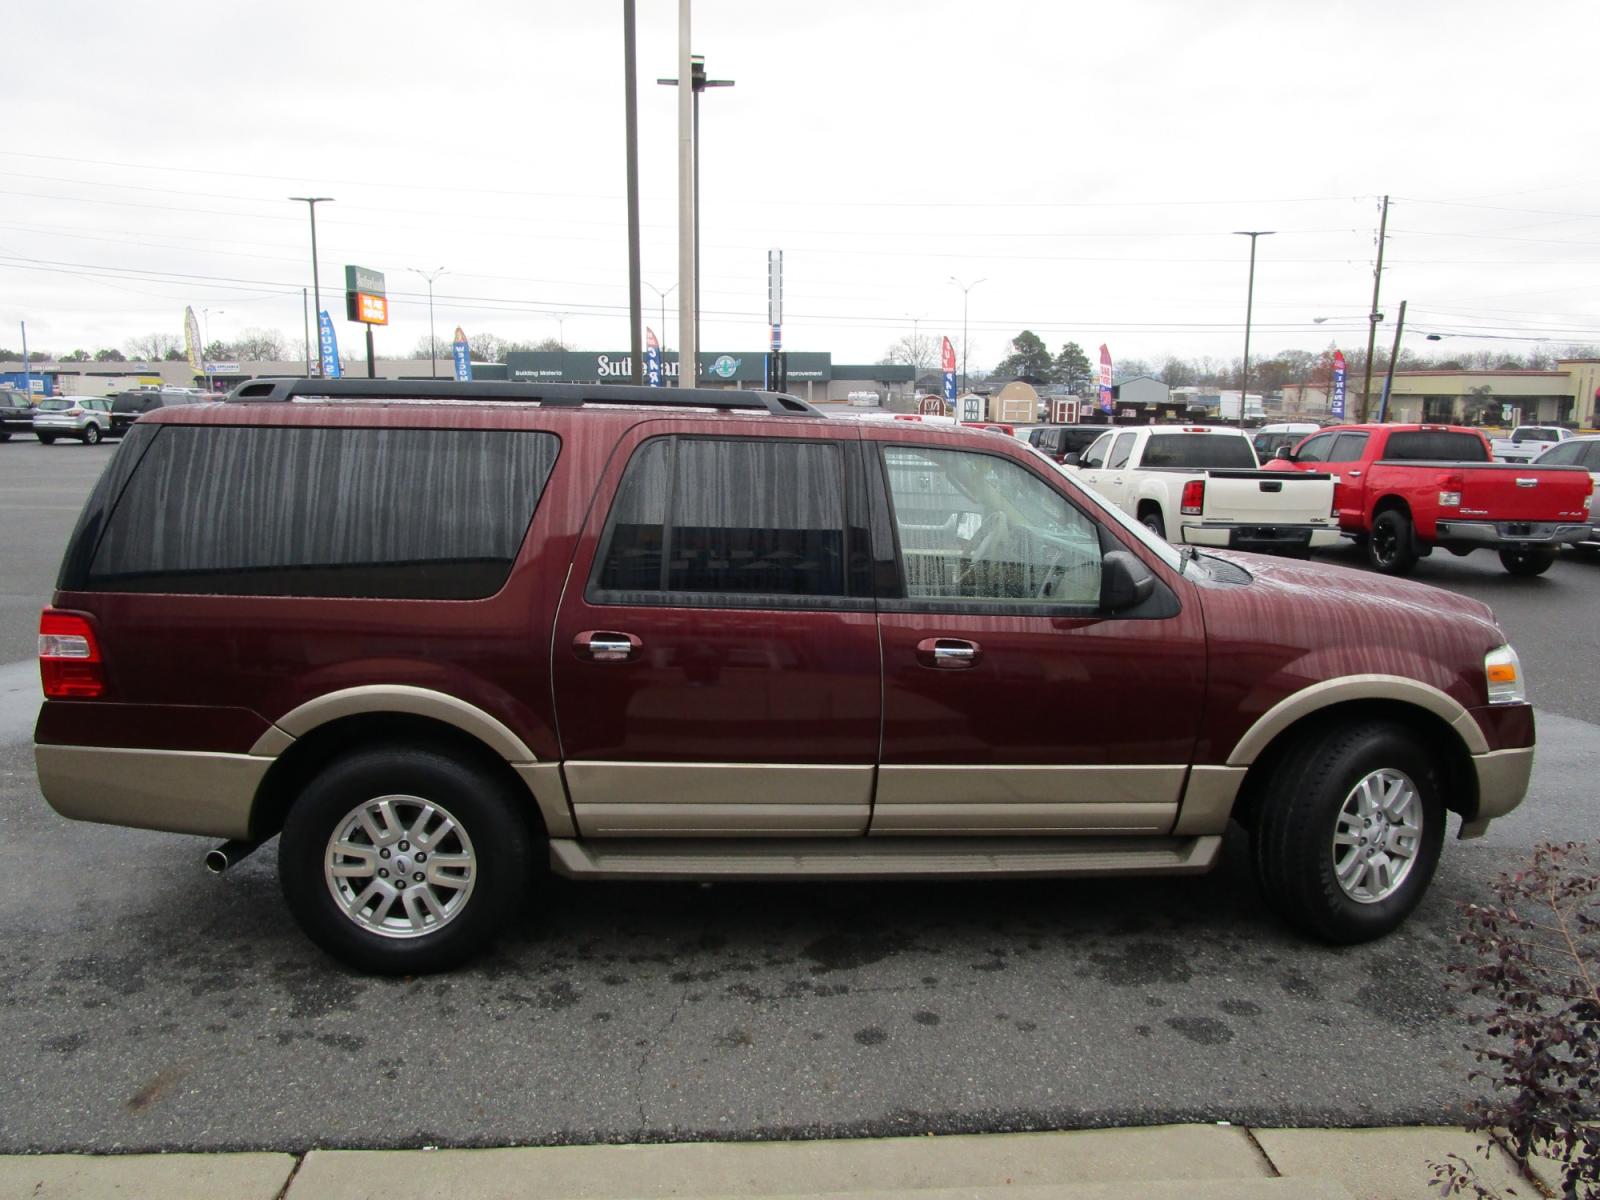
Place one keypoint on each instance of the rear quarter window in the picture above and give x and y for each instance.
(1435, 445)
(379, 513)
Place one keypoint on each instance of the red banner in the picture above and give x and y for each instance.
(1105, 378)
(947, 360)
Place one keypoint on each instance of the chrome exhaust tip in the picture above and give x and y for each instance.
(229, 854)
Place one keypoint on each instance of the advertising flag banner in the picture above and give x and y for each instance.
(652, 359)
(1336, 404)
(192, 349)
(330, 346)
(947, 361)
(1105, 378)
(461, 351)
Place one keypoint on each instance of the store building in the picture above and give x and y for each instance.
(1566, 395)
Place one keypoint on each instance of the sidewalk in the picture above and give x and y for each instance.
(1191, 1162)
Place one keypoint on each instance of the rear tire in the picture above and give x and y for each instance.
(1348, 831)
(47, 438)
(91, 435)
(1390, 549)
(1527, 560)
(370, 814)
(1153, 522)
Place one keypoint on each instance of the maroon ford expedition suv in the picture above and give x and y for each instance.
(427, 632)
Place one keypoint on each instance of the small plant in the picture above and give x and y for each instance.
(1536, 964)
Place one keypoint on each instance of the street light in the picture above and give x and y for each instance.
(311, 203)
(1249, 303)
(965, 288)
(698, 83)
(433, 346)
(663, 295)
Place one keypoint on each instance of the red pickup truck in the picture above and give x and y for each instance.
(1401, 490)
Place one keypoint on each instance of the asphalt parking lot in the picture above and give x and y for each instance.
(147, 1005)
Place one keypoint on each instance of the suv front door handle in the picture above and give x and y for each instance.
(598, 645)
(948, 654)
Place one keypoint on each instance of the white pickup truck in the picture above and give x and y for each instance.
(1527, 442)
(1201, 486)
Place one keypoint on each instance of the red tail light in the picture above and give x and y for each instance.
(69, 657)
(1194, 497)
(1335, 510)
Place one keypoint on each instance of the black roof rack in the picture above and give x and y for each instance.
(550, 395)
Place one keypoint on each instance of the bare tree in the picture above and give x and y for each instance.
(486, 347)
(259, 345)
(153, 347)
(914, 349)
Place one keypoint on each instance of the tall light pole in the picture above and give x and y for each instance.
(311, 203)
(662, 296)
(205, 354)
(965, 288)
(1373, 315)
(698, 84)
(1249, 303)
(433, 346)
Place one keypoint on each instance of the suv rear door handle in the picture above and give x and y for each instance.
(597, 645)
(948, 654)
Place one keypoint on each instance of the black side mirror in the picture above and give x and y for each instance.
(1125, 582)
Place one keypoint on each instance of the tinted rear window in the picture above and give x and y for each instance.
(1535, 435)
(1436, 445)
(387, 513)
(54, 405)
(1198, 451)
(133, 402)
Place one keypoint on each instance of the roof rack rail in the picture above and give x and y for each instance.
(550, 395)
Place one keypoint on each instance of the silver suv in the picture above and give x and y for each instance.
(86, 418)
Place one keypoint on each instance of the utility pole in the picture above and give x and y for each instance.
(688, 293)
(27, 365)
(965, 288)
(631, 109)
(305, 315)
(1374, 316)
(311, 202)
(1249, 304)
(1388, 378)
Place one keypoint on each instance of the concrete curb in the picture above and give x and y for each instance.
(1192, 1162)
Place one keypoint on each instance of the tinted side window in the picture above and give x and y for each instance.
(1592, 458)
(1567, 454)
(388, 513)
(1435, 445)
(1316, 449)
(1198, 451)
(741, 516)
(1121, 451)
(1349, 448)
(1095, 455)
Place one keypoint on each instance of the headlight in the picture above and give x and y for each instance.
(1504, 672)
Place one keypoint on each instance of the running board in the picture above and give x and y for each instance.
(881, 858)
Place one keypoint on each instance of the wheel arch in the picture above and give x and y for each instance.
(298, 762)
(1450, 740)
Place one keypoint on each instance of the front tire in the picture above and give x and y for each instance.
(1390, 548)
(47, 438)
(402, 861)
(1349, 830)
(1527, 560)
(91, 435)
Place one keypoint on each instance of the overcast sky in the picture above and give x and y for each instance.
(1088, 162)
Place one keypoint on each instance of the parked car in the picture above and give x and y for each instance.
(1269, 439)
(1527, 442)
(16, 413)
(1055, 442)
(84, 418)
(1201, 486)
(128, 407)
(1580, 452)
(1404, 489)
(697, 634)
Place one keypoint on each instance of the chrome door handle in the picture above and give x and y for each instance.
(1353, 474)
(948, 654)
(600, 646)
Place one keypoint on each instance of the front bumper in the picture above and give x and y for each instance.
(1260, 539)
(1473, 534)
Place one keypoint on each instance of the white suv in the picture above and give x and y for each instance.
(86, 418)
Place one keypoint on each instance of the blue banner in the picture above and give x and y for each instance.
(462, 352)
(330, 346)
(1336, 405)
(652, 359)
